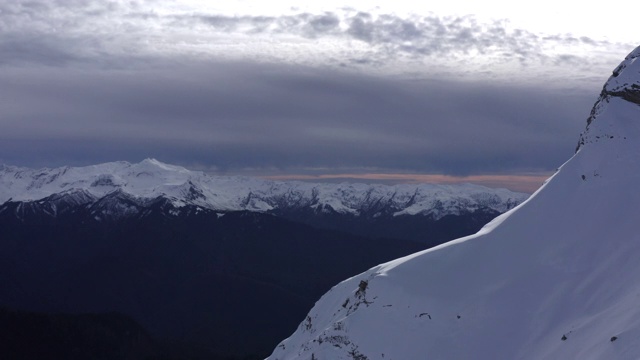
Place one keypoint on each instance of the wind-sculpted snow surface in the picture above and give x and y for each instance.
(151, 179)
(554, 278)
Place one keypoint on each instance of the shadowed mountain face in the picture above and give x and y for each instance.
(32, 336)
(231, 284)
(427, 230)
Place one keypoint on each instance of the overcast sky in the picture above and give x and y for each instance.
(490, 92)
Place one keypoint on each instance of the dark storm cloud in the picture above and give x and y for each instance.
(237, 116)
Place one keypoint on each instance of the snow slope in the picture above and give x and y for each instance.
(150, 179)
(555, 278)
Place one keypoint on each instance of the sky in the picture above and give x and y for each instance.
(491, 92)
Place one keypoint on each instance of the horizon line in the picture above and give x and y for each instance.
(528, 183)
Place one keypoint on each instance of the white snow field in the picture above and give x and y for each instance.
(558, 277)
(151, 178)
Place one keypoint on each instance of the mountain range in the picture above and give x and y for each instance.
(426, 213)
(554, 278)
(216, 267)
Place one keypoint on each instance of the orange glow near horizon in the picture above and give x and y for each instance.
(526, 183)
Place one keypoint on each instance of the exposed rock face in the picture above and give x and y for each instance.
(625, 80)
(624, 83)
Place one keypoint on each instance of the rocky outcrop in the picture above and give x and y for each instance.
(624, 83)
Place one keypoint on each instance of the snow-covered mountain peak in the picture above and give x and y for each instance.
(156, 165)
(554, 278)
(609, 118)
(151, 178)
(625, 80)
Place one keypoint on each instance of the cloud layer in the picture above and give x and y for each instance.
(238, 115)
(98, 32)
(338, 91)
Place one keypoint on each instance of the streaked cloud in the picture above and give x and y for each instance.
(525, 183)
(108, 33)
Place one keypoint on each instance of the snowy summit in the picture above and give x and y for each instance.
(554, 278)
(151, 179)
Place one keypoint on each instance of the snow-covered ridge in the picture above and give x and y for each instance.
(554, 278)
(151, 179)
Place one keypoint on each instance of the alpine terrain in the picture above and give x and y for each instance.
(426, 213)
(554, 278)
(211, 267)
